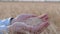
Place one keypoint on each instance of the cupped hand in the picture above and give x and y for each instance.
(19, 25)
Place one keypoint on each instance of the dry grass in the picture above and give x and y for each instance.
(13, 9)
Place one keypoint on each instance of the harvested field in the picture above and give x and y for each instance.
(12, 9)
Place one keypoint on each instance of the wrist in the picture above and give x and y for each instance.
(10, 31)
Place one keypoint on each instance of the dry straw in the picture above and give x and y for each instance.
(15, 8)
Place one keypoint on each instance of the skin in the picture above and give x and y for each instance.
(19, 26)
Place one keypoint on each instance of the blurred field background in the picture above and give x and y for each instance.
(12, 9)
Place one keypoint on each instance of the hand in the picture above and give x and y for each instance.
(36, 30)
(22, 17)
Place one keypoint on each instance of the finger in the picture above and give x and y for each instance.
(43, 17)
(25, 16)
(41, 27)
(22, 17)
